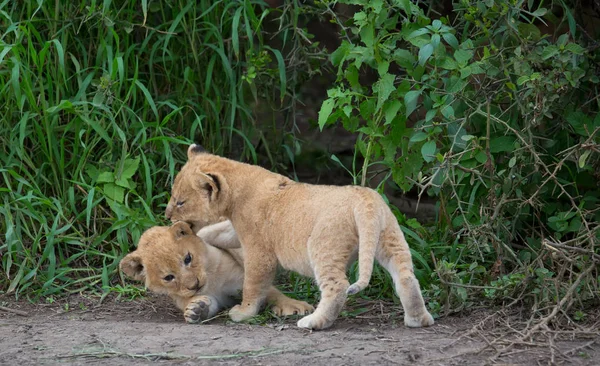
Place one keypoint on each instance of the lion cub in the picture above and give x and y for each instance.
(200, 278)
(314, 230)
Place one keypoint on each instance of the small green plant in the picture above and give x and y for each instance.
(127, 292)
(114, 184)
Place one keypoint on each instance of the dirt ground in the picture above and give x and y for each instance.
(151, 330)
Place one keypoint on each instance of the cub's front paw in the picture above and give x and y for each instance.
(240, 313)
(197, 310)
(314, 322)
(424, 320)
(292, 307)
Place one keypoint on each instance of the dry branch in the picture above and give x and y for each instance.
(14, 311)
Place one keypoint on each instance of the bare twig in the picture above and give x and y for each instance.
(14, 311)
(574, 249)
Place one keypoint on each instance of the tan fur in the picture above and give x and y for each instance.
(314, 230)
(210, 282)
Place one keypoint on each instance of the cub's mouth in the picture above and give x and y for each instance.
(196, 225)
(197, 287)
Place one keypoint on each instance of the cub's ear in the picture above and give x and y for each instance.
(181, 229)
(132, 266)
(212, 184)
(195, 149)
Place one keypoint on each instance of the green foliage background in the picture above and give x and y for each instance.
(96, 99)
(496, 119)
(490, 107)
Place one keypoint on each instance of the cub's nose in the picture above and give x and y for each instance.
(169, 212)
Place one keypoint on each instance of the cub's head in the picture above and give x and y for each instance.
(197, 196)
(170, 260)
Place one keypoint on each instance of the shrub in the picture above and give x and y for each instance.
(497, 120)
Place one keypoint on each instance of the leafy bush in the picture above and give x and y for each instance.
(495, 118)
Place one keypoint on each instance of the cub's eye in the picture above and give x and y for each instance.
(188, 259)
(180, 203)
(169, 278)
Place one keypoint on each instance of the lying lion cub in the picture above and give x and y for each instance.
(313, 230)
(200, 278)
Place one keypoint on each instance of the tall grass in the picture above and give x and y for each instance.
(95, 99)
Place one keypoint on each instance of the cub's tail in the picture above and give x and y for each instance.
(368, 222)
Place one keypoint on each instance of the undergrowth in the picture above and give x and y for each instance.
(492, 108)
(98, 102)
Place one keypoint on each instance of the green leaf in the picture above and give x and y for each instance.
(428, 151)
(481, 156)
(391, 110)
(540, 12)
(404, 58)
(282, 75)
(63, 105)
(130, 166)
(523, 79)
(430, 114)
(549, 51)
(145, 10)
(405, 5)
(410, 101)
(579, 120)
(571, 20)
(418, 33)
(352, 77)
(448, 63)
(512, 161)
(463, 56)
(235, 36)
(435, 41)
(562, 40)
(347, 109)
(529, 31)
(382, 68)
(367, 35)
(325, 112)
(122, 182)
(385, 87)
(99, 98)
(575, 48)
(148, 97)
(418, 136)
(584, 157)
(450, 39)
(105, 177)
(338, 56)
(424, 53)
(448, 112)
(502, 144)
(114, 192)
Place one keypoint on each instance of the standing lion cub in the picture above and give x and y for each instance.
(314, 230)
(200, 278)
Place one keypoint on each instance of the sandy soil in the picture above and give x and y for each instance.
(151, 330)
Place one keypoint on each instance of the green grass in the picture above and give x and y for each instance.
(96, 102)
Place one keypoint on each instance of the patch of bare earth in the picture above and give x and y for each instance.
(151, 330)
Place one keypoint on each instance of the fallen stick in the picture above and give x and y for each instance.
(15, 311)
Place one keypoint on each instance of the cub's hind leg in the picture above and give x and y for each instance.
(394, 255)
(329, 267)
(282, 305)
